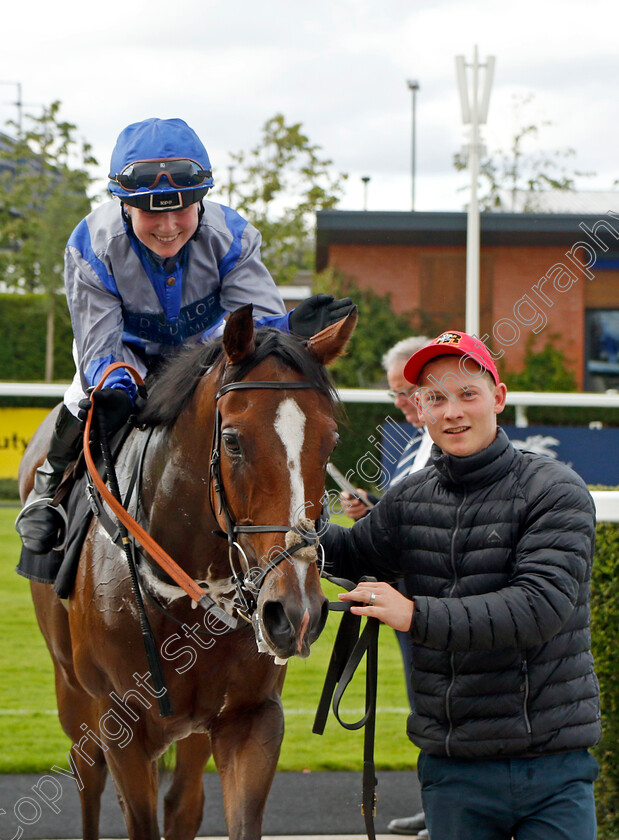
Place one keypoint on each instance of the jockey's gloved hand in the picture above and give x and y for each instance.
(115, 403)
(317, 312)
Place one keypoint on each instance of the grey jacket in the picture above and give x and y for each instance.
(127, 305)
(497, 551)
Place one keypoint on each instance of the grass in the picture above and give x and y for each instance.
(32, 740)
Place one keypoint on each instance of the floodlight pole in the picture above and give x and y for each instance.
(413, 86)
(230, 183)
(18, 103)
(473, 113)
(366, 181)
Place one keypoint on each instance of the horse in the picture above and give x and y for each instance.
(260, 404)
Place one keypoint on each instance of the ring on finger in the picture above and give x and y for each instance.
(372, 598)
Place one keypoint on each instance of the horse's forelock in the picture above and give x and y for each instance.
(292, 352)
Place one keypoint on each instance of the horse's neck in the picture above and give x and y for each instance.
(174, 503)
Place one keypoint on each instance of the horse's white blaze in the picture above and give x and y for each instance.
(290, 428)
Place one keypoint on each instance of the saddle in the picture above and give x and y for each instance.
(59, 566)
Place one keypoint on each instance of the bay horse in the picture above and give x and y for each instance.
(274, 437)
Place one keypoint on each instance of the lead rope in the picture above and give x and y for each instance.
(348, 650)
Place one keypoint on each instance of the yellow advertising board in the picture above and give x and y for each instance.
(17, 425)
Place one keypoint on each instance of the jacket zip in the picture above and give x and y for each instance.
(452, 656)
(525, 671)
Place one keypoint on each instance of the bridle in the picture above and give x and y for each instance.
(248, 582)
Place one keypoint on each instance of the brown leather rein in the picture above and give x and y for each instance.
(162, 558)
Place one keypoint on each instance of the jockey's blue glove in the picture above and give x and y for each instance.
(115, 404)
(317, 312)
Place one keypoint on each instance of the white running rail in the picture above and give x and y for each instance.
(606, 501)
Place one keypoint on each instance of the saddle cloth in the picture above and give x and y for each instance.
(60, 567)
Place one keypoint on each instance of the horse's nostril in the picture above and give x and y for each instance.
(289, 629)
(275, 619)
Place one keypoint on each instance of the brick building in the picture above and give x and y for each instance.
(540, 273)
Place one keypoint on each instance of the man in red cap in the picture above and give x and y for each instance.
(497, 547)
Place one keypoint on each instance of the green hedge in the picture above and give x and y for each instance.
(605, 646)
(23, 327)
(357, 423)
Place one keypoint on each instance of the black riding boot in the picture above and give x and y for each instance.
(40, 524)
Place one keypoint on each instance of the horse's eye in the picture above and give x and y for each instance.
(231, 442)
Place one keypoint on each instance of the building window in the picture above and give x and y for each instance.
(602, 349)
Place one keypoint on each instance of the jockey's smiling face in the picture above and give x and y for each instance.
(164, 231)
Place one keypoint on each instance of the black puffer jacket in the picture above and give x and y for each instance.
(496, 549)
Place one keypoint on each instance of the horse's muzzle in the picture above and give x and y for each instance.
(289, 629)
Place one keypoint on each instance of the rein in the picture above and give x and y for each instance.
(350, 646)
(195, 592)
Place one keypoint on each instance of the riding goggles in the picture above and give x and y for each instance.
(180, 173)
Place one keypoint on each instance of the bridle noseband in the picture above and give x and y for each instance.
(248, 586)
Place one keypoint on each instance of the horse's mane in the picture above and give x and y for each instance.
(171, 389)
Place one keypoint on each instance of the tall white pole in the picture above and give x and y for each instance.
(413, 86)
(366, 181)
(18, 104)
(472, 226)
(474, 113)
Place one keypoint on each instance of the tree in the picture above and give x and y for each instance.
(44, 180)
(543, 370)
(512, 181)
(378, 329)
(282, 182)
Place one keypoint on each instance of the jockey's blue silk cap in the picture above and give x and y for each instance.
(451, 343)
(157, 139)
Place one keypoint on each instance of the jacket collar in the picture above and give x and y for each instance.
(480, 469)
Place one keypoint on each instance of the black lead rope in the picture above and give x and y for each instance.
(152, 655)
(348, 651)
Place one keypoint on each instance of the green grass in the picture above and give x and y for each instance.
(32, 740)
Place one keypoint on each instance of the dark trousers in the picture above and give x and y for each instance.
(545, 798)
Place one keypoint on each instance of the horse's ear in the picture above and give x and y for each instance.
(331, 342)
(238, 338)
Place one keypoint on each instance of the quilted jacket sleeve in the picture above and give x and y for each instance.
(552, 566)
(370, 547)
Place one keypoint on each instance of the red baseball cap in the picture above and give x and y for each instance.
(452, 343)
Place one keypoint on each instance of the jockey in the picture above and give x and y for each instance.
(159, 269)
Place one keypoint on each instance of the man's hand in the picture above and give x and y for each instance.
(317, 312)
(389, 605)
(352, 506)
(115, 404)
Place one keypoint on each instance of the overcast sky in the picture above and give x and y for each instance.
(340, 67)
